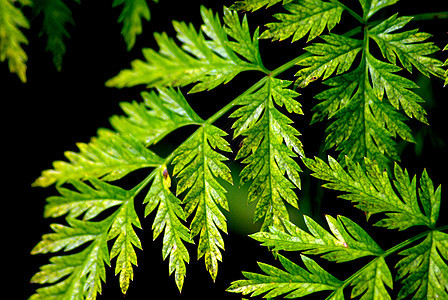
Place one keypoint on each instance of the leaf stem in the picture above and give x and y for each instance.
(430, 16)
(349, 10)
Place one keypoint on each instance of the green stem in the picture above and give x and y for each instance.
(349, 10)
(230, 105)
(430, 16)
(442, 228)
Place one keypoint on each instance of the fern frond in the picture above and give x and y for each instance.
(346, 242)
(253, 5)
(408, 46)
(11, 37)
(168, 219)
(158, 115)
(362, 123)
(295, 281)
(305, 16)
(131, 16)
(372, 191)
(83, 271)
(56, 17)
(122, 229)
(371, 282)
(337, 54)
(424, 271)
(208, 62)
(397, 89)
(198, 164)
(87, 201)
(363, 126)
(268, 148)
(79, 275)
(112, 155)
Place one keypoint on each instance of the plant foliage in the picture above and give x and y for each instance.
(270, 143)
(12, 38)
(363, 103)
(208, 61)
(367, 103)
(421, 270)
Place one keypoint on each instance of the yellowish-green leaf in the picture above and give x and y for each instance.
(168, 219)
(198, 164)
(12, 20)
(268, 149)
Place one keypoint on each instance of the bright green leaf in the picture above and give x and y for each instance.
(206, 57)
(347, 241)
(270, 143)
(304, 16)
(408, 46)
(369, 7)
(293, 282)
(423, 271)
(198, 164)
(12, 38)
(371, 282)
(372, 191)
(168, 219)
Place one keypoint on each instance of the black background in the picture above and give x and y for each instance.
(54, 110)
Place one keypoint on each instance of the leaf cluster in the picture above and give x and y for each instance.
(367, 103)
(421, 270)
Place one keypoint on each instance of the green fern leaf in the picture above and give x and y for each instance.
(423, 270)
(396, 87)
(11, 37)
(373, 192)
(112, 155)
(347, 242)
(337, 54)
(253, 5)
(207, 62)
(122, 229)
(169, 214)
(268, 148)
(371, 282)
(88, 201)
(242, 44)
(131, 16)
(160, 114)
(56, 17)
(79, 275)
(295, 281)
(305, 16)
(408, 46)
(197, 164)
(362, 124)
